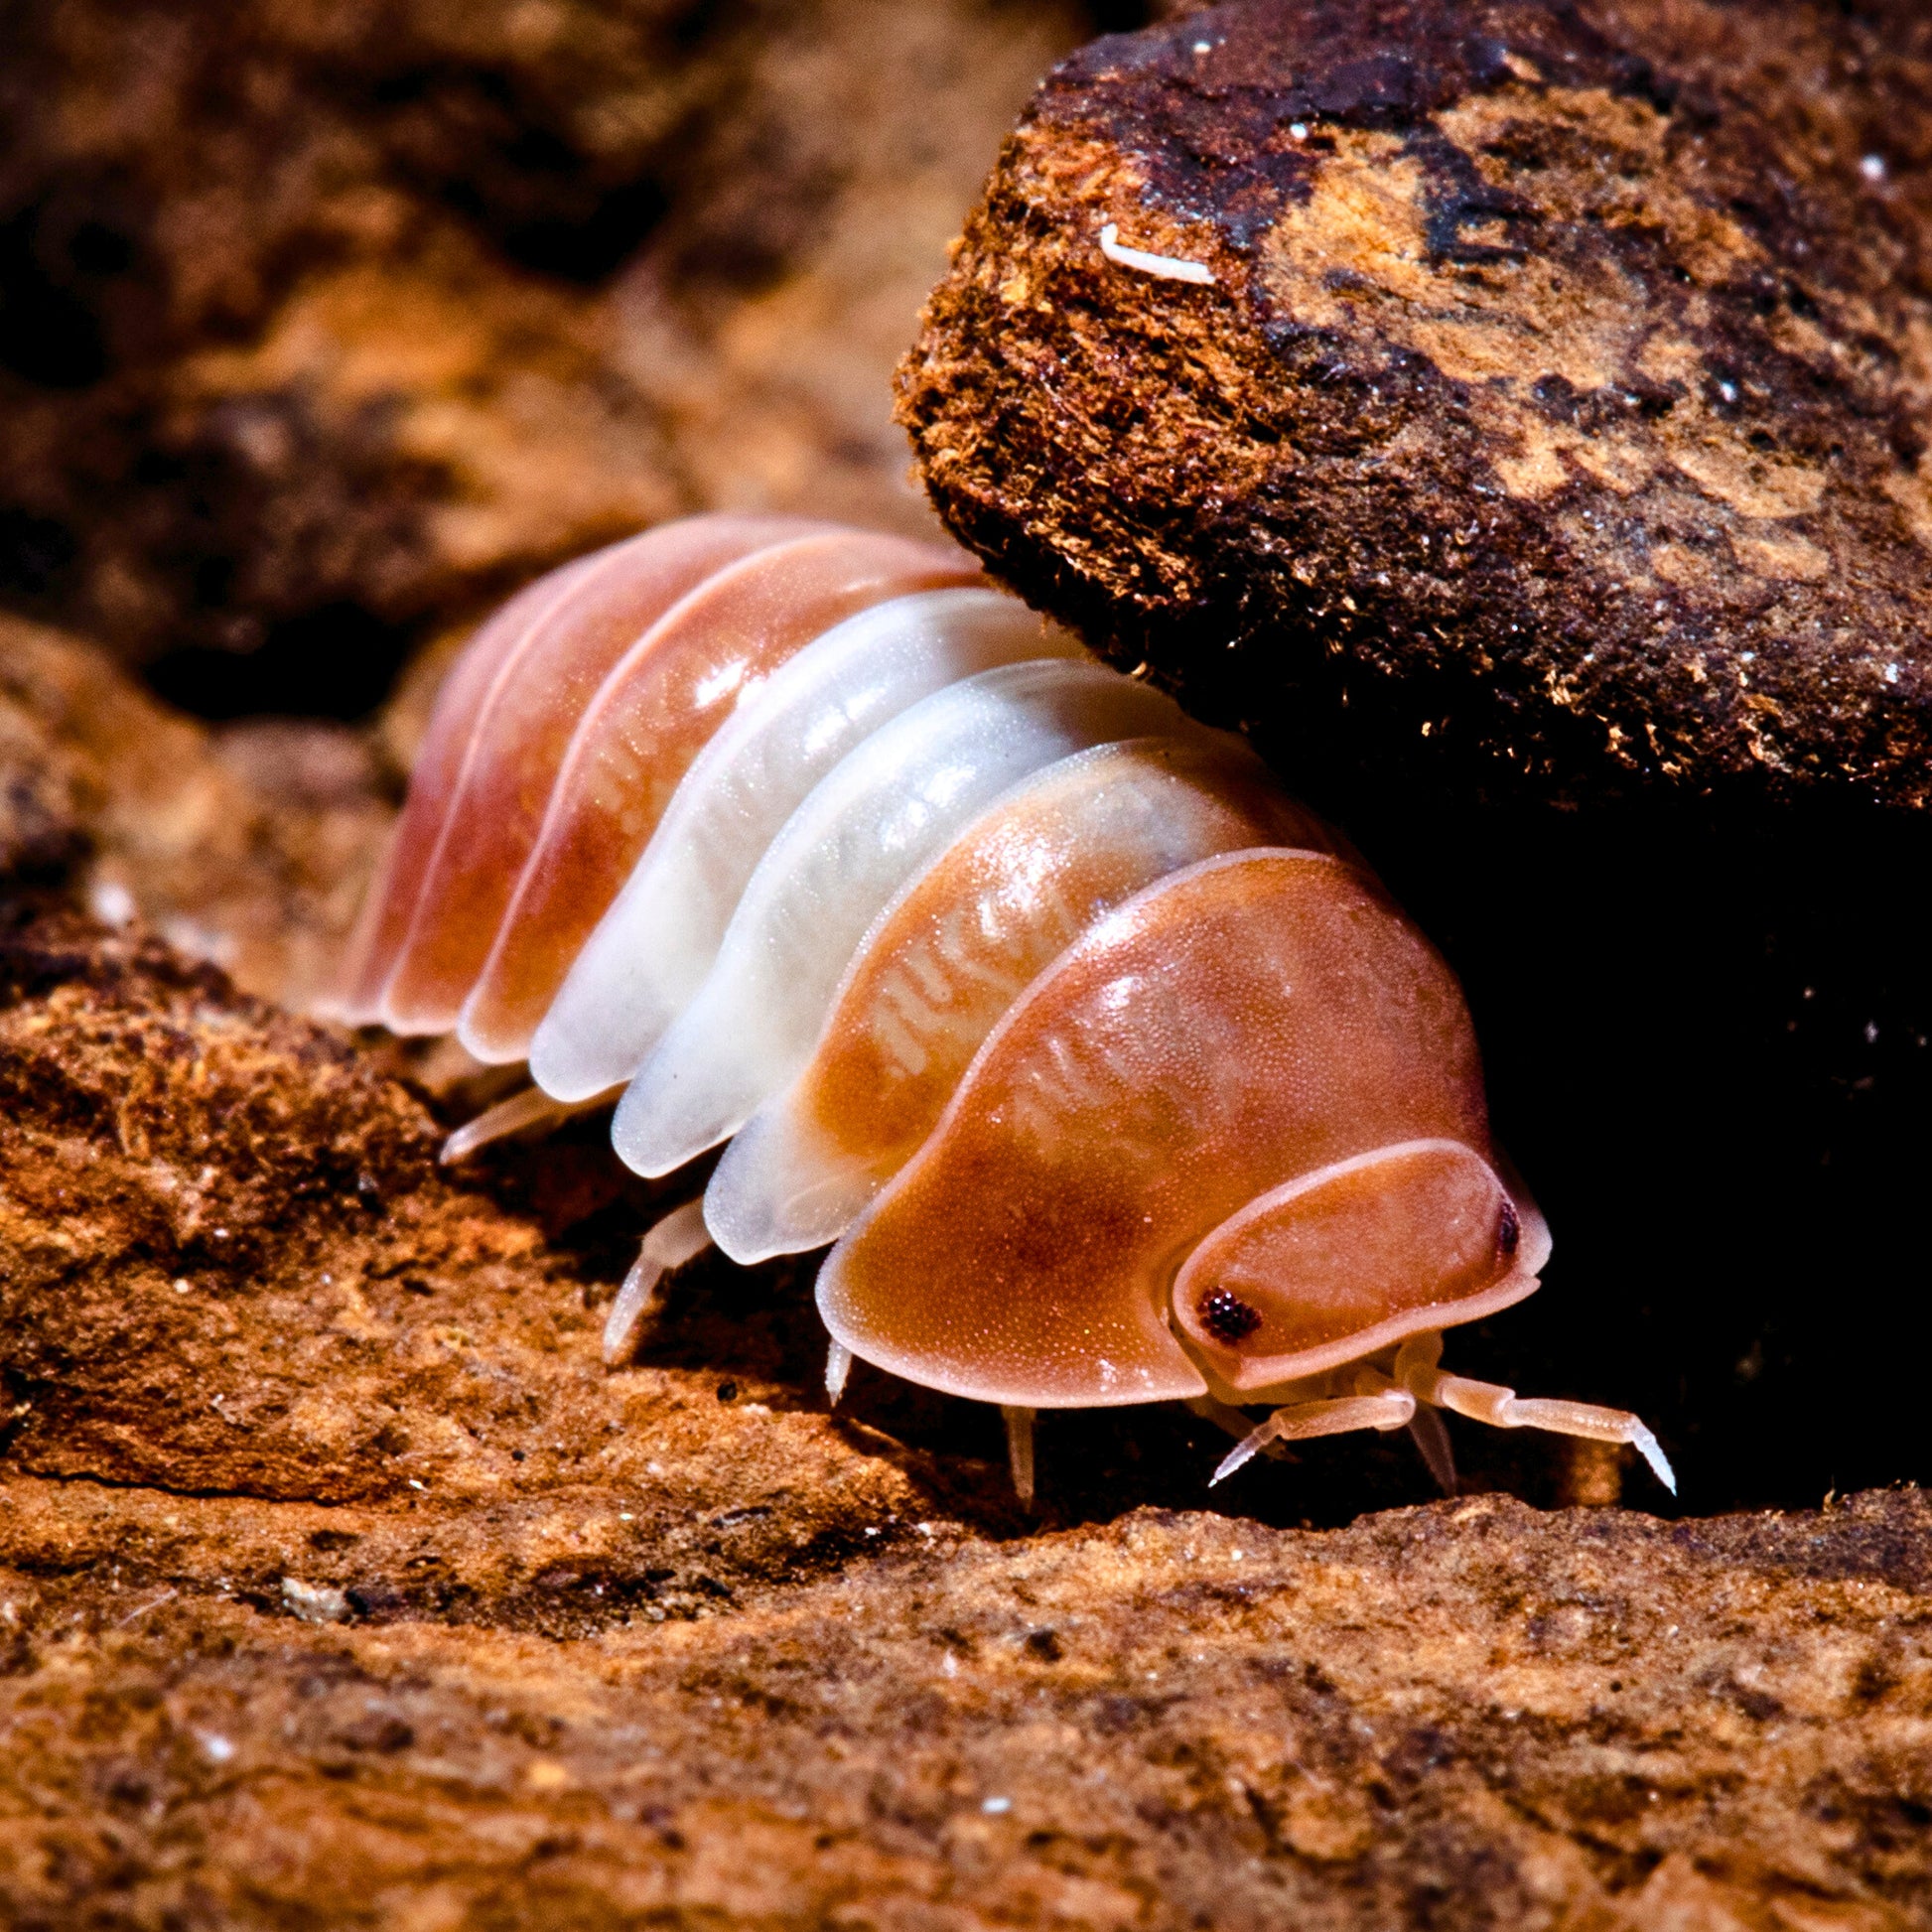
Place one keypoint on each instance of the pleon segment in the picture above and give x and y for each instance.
(1247, 1021)
(958, 945)
(886, 811)
(637, 736)
(653, 949)
(390, 904)
(517, 742)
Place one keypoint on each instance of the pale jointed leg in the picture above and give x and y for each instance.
(1415, 1371)
(838, 1365)
(1231, 1421)
(679, 1237)
(1225, 1417)
(521, 1111)
(1020, 1450)
(1377, 1403)
(1433, 1441)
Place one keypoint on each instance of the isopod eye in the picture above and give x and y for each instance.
(1338, 1263)
(1227, 1317)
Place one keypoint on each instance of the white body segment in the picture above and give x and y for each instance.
(787, 1191)
(782, 1187)
(890, 807)
(652, 950)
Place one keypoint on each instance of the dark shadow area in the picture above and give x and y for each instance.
(37, 554)
(479, 141)
(339, 661)
(78, 286)
(1706, 1050)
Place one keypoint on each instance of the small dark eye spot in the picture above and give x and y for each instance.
(1510, 1230)
(1227, 1317)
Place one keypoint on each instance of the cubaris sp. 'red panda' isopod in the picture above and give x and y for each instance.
(1111, 1073)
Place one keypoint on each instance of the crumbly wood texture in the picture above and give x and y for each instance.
(234, 1267)
(1557, 417)
(1464, 1716)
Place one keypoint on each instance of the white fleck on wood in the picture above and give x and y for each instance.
(1170, 268)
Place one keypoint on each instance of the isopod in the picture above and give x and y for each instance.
(1108, 1072)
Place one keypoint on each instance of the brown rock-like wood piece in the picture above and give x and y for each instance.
(1557, 410)
(1464, 1716)
(232, 1267)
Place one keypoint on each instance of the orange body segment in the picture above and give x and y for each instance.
(1250, 1020)
(638, 737)
(390, 904)
(1011, 894)
(517, 741)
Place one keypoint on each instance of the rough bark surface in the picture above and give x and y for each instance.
(1554, 423)
(234, 1267)
(1467, 1714)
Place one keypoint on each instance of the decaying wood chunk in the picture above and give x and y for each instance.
(1500, 389)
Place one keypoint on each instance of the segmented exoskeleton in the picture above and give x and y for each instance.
(1111, 1072)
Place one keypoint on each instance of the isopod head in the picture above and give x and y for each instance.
(1337, 1264)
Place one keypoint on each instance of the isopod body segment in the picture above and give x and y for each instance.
(1108, 1072)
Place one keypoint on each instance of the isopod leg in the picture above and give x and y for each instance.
(679, 1237)
(1020, 1450)
(530, 1107)
(1223, 1415)
(1386, 1407)
(1231, 1421)
(1503, 1408)
(838, 1365)
(1433, 1441)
